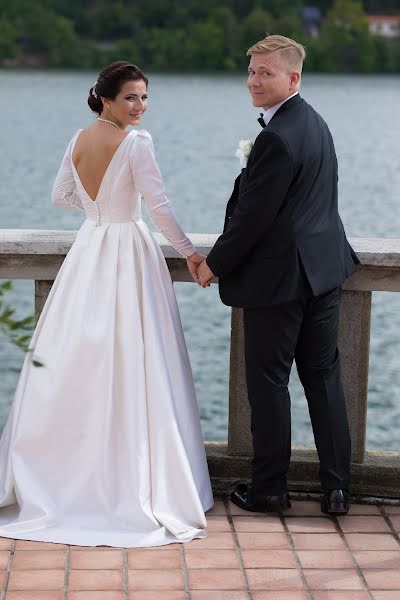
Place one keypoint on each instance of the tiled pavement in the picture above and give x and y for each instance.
(303, 556)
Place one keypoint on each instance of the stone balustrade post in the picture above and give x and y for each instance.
(42, 290)
(353, 342)
(239, 433)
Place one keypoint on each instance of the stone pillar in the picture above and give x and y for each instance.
(353, 342)
(42, 290)
(239, 434)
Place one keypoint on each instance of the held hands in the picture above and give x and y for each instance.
(199, 269)
(204, 274)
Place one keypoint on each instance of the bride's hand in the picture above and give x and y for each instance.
(193, 261)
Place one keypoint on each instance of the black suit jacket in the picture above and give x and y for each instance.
(282, 225)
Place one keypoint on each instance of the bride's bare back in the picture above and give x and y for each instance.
(93, 152)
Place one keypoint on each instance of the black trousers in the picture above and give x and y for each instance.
(304, 330)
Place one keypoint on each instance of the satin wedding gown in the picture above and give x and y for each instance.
(103, 444)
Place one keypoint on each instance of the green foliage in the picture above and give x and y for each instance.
(205, 45)
(125, 49)
(8, 40)
(282, 7)
(232, 51)
(346, 42)
(166, 51)
(256, 25)
(114, 22)
(18, 331)
(165, 35)
(388, 55)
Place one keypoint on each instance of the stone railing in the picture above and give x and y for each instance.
(37, 255)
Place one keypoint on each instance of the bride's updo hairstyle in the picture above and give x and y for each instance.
(110, 82)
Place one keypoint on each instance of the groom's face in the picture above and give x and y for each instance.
(270, 79)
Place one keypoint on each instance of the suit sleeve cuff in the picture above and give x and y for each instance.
(215, 268)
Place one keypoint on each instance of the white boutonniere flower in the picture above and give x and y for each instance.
(243, 152)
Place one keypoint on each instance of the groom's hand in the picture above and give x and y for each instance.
(204, 274)
(193, 262)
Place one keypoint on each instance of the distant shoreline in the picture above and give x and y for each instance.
(188, 72)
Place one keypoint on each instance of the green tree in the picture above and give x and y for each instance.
(205, 46)
(157, 13)
(255, 26)
(165, 50)
(225, 19)
(388, 55)
(114, 21)
(126, 49)
(64, 49)
(18, 331)
(378, 7)
(345, 41)
(8, 40)
(51, 36)
(281, 7)
(289, 25)
(314, 54)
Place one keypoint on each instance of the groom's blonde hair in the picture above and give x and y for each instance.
(292, 52)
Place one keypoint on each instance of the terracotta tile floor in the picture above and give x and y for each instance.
(303, 556)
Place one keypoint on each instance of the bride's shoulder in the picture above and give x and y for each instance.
(142, 141)
(142, 134)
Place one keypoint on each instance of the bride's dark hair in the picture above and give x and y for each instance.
(110, 82)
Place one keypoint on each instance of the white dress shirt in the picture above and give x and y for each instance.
(269, 113)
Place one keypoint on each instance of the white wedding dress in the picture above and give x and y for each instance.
(103, 444)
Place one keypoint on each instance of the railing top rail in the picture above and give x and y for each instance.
(372, 252)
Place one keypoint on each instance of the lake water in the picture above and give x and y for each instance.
(196, 123)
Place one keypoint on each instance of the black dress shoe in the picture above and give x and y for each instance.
(244, 497)
(335, 502)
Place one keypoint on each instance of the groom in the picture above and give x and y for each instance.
(282, 257)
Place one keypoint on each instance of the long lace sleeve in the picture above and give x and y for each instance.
(149, 183)
(64, 192)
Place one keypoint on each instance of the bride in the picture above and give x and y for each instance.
(103, 444)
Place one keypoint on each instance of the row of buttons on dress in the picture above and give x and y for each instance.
(98, 221)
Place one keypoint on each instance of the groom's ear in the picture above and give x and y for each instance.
(294, 79)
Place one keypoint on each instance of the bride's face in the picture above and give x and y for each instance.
(128, 106)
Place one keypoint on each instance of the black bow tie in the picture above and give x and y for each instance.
(261, 120)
